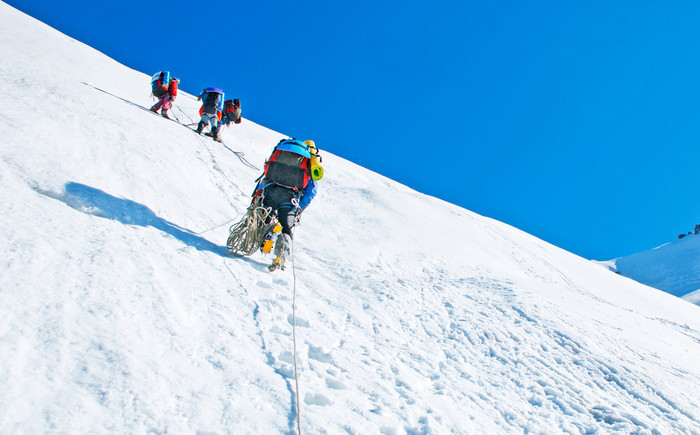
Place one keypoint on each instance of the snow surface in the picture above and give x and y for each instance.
(120, 313)
(673, 267)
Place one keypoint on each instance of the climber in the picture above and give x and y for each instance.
(287, 186)
(231, 113)
(164, 87)
(212, 104)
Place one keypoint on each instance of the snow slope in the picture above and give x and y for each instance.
(673, 267)
(120, 313)
(693, 297)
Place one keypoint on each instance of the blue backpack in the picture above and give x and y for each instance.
(160, 82)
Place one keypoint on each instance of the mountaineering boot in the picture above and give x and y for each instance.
(282, 250)
(277, 264)
(153, 109)
(200, 127)
(164, 114)
(215, 134)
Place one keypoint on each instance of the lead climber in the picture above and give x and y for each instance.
(287, 187)
(282, 193)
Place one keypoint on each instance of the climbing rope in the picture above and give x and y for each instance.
(245, 238)
(239, 154)
(246, 235)
(185, 113)
(216, 164)
(175, 116)
(211, 154)
(215, 227)
(294, 338)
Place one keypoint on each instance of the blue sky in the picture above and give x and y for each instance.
(575, 121)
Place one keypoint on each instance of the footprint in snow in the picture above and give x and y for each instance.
(316, 399)
(300, 322)
(318, 354)
(280, 282)
(335, 384)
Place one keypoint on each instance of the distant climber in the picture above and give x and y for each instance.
(212, 105)
(284, 190)
(231, 113)
(164, 87)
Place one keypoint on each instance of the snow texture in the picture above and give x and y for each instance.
(121, 313)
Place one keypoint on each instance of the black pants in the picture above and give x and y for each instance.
(280, 200)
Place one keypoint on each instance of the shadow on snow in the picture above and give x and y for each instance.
(95, 202)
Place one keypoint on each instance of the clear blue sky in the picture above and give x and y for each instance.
(576, 121)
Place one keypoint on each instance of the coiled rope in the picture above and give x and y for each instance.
(246, 235)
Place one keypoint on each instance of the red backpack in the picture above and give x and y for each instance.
(289, 166)
(233, 110)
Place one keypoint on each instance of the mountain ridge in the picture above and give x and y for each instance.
(673, 267)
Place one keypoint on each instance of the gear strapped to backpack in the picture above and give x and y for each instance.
(160, 82)
(289, 166)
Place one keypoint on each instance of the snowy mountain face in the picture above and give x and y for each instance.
(673, 268)
(121, 313)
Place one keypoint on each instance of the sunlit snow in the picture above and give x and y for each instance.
(121, 313)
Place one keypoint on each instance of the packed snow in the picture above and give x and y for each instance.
(121, 313)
